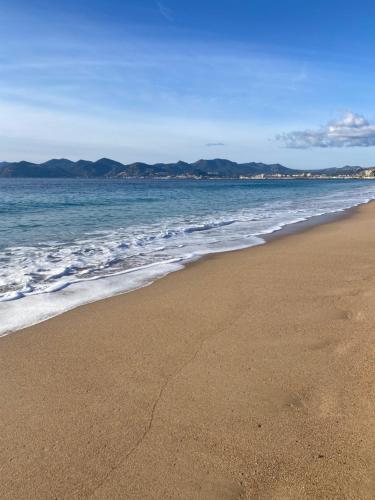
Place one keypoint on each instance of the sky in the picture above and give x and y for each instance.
(286, 81)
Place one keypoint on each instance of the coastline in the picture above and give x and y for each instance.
(58, 302)
(248, 374)
(311, 222)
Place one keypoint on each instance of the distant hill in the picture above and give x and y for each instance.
(347, 170)
(60, 168)
(105, 167)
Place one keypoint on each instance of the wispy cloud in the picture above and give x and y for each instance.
(352, 130)
(78, 90)
(127, 72)
(165, 11)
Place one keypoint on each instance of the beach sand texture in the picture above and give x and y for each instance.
(249, 375)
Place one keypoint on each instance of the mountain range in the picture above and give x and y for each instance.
(216, 168)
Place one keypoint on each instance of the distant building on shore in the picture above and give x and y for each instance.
(369, 172)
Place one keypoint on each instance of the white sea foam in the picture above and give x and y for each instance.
(39, 307)
(41, 281)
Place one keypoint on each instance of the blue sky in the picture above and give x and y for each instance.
(257, 80)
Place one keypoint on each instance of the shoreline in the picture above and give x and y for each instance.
(285, 230)
(314, 221)
(249, 374)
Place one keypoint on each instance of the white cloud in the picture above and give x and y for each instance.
(165, 11)
(352, 130)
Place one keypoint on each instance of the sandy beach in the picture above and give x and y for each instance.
(249, 375)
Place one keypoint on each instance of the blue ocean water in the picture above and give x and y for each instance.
(64, 242)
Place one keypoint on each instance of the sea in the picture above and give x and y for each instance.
(67, 242)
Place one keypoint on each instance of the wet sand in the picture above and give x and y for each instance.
(249, 375)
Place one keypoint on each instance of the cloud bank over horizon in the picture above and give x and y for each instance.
(352, 130)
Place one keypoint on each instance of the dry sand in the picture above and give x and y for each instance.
(249, 375)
